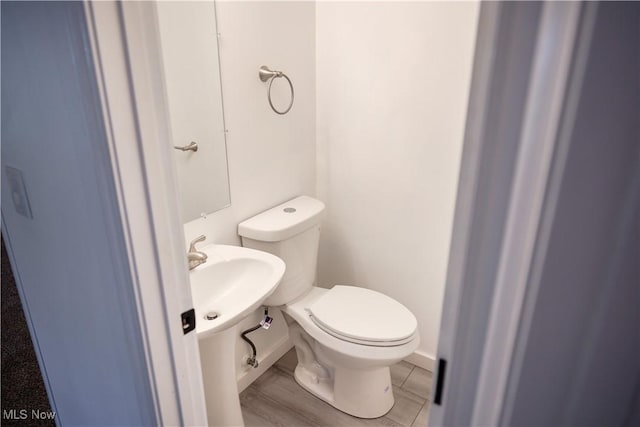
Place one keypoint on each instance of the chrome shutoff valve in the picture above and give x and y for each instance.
(252, 361)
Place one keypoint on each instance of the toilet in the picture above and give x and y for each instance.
(346, 337)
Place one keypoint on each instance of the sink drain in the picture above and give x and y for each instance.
(212, 315)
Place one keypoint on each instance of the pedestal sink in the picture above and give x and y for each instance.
(228, 287)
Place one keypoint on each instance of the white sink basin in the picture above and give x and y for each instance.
(232, 283)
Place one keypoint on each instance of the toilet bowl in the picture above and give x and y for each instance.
(349, 370)
(346, 337)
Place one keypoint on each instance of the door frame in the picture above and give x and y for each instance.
(125, 36)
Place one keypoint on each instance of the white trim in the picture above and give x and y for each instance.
(476, 121)
(546, 95)
(265, 361)
(469, 171)
(132, 93)
(422, 360)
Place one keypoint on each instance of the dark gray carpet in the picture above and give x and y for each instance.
(22, 384)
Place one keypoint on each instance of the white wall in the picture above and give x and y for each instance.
(271, 157)
(388, 141)
(392, 87)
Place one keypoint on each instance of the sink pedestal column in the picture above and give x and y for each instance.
(217, 356)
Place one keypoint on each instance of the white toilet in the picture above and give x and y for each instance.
(345, 337)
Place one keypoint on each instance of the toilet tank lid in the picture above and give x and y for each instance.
(283, 221)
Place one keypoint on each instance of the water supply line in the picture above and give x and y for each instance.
(252, 360)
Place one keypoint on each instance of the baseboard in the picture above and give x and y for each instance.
(422, 360)
(264, 362)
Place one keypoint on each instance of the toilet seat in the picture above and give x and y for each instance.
(363, 316)
(369, 351)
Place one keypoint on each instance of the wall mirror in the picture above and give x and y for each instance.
(189, 41)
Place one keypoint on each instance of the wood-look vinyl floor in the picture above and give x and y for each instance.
(276, 400)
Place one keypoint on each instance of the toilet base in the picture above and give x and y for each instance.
(362, 393)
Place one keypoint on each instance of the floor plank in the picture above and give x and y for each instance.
(419, 382)
(406, 408)
(399, 372)
(275, 399)
(282, 388)
(423, 416)
(289, 361)
(259, 410)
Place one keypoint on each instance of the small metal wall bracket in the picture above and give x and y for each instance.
(193, 146)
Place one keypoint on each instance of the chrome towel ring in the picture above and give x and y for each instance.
(269, 75)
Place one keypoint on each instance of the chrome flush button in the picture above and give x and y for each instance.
(289, 210)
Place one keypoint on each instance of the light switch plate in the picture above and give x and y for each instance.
(18, 192)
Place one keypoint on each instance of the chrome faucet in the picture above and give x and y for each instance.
(194, 256)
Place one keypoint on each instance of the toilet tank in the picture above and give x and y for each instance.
(290, 231)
